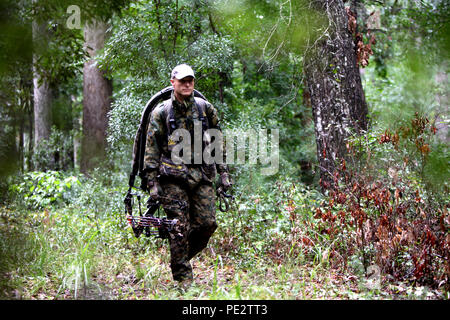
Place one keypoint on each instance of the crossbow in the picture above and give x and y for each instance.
(159, 227)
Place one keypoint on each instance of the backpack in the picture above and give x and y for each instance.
(141, 134)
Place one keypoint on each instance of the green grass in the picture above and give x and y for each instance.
(65, 254)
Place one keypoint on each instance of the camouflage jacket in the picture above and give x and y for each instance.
(157, 143)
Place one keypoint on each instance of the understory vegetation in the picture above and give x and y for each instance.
(380, 235)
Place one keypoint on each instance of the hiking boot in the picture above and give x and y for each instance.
(184, 285)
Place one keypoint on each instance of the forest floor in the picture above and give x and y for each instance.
(62, 255)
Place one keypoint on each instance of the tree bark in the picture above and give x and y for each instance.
(334, 86)
(42, 94)
(97, 92)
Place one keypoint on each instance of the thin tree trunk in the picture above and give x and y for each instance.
(30, 165)
(77, 127)
(97, 92)
(21, 143)
(335, 89)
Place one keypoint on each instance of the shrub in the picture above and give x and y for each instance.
(385, 208)
(42, 189)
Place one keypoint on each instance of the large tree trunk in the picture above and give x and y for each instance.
(97, 92)
(42, 110)
(42, 95)
(334, 86)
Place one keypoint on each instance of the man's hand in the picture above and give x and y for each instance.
(225, 181)
(154, 189)
(223, 186)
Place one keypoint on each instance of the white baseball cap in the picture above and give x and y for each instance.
(181, 71)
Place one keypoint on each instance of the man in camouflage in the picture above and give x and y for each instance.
(187, 188)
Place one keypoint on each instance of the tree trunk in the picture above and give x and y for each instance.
(97, 92)
(30, 165)
(334, 86)
(42, 95)
(77, 126)
(21, 144)
(42, 109)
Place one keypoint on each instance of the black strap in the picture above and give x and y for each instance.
(171, 122)
(201, 109)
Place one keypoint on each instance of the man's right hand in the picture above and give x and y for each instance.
(154, 189)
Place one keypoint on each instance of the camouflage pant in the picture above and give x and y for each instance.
(195, 211)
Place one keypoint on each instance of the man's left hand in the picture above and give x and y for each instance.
(225, 181)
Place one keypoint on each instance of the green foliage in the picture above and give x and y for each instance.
(44, 189)
(150, 39)
(410, 86)
(270, 29)
(146, 43)
(8, 152)
(270, 100)
(124, 119)
(55, 153)
(60, 57)
(15, 35)
(101, 195)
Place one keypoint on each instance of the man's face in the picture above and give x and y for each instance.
(183, 88)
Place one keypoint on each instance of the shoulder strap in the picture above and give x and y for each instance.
(169, 115)
(201, 108)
